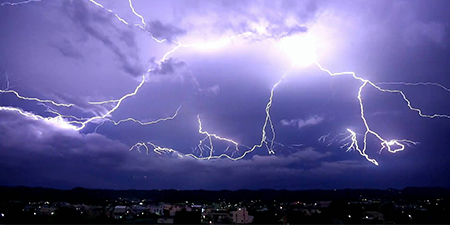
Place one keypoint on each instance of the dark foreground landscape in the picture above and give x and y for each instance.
(346, 206)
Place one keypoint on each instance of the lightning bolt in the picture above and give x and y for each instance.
(210, 136)
(416, 84)
(82, 122)
(58, 120)
(146, 123)
(141, 26)
(268, 134)
(384, 143)
(35, 99)
(264, 139)
(269, 144)
(18, 3)
(323, 137)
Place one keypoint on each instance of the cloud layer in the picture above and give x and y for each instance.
(77, 52)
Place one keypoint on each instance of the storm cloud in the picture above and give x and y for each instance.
(220, 62)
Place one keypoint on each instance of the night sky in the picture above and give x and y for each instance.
(178, 63)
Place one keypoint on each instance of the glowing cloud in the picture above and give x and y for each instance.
(300, 48)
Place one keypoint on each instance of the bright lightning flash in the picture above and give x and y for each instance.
(299, 48)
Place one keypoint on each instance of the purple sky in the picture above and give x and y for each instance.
(228, 59)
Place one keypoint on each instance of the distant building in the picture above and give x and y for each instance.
(138, 209)
(171, 210)
(157, 209)
(47, 210)
(219, 216)
(120, 211)
(93, 211)
(373, 215)
(174, 209)
(165, 220)
(241, 216)
(323, 204)
(196, 208)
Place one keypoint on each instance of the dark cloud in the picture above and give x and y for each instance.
(67, 49)
(49, 155)
(128, 37)
(51, 137)
(169, 67)
(304, 10)
(169, 70)
(93, 22)
(229, 87)
(164, 31)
